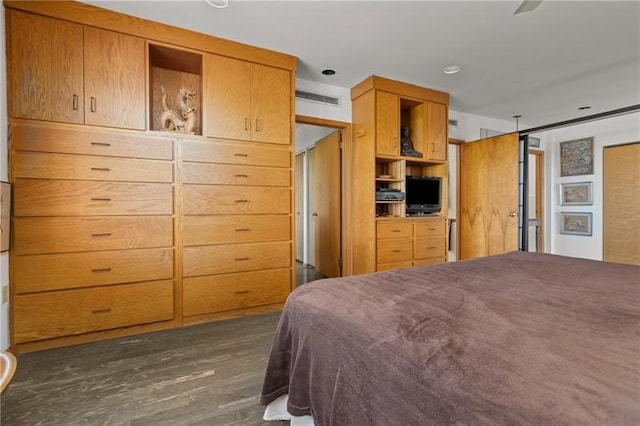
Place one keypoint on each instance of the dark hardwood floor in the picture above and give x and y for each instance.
(208, 374)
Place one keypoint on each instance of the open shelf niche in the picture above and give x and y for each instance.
(390, 174)
(174, 70)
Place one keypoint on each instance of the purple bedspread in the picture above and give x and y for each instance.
(519, 338)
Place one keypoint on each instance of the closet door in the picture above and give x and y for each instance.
(622, 204)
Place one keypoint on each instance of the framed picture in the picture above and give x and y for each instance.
(576, 194)
(576, 223)
(5, 214)
(576, 157)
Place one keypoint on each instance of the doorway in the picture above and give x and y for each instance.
(319, 196)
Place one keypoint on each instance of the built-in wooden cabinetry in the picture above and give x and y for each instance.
(383, 236)
(119, 228)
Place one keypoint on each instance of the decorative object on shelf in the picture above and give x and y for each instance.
(406, 146)
(576, 194)
(576, 223)
(576, 157)
(182, 120)
(5, 214)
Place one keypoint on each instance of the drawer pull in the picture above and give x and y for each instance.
(431, 248)
(241, 155)
(396, 251)
(100, 144)
(241, 258)
(100, 199)
(242, 201)
(104, 234)
(242, 229)
(101, 311)
(242, 292)
(101, 169)
(101, 270)
(242, 176)
(396, 230)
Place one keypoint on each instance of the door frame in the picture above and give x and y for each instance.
(346, 254)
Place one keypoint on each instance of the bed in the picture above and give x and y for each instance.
(518, 338)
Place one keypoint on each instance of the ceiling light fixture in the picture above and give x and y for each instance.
(328, 72)
(517, 117)
(452, 69)
(218, 4)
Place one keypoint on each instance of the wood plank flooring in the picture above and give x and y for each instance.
(208, 374)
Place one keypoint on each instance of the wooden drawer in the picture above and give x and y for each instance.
(74, 270)
(216, 293)
(63, 313)
(35, 197)
(69, 139)
(430, 261)
(394, 250)
(224, 199)
(86, 167)
(393, 265)
(235, 153)
(431, 228)
(40, 235)
(223, 259)
(428, 247)
(235, 175)
(203, 230)
(394, 229)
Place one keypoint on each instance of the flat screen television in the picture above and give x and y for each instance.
(424, 195)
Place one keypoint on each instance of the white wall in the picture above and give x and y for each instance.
(608, 132)
(4, 257)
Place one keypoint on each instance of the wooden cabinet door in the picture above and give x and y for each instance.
(270, 105)
(45, 68)
(114, 79)
(227, 98)
(387, 124)
(436, 132)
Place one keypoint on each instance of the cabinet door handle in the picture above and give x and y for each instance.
(101, 311)
(242, 201)
(241, 155)
(242, 292)
(100, 199)
(100, 144)
(246, 124)
(75, 102)
(103, 234)
(258, 126)
(101, 270)
(93, 104)
(241, 258)
(433, 147)
(242, 229)
(242, 176)
(100, 169)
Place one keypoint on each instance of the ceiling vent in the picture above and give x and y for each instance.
(316, 97)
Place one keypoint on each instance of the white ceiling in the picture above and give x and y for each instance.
(543, 64)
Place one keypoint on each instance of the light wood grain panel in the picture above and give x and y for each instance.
(227, 98)
(235, 153)
(394, 250)
(64, 313)
(224, 199)
(393, 265)
(424, 247)
(430, 228)
(37, 197)
(114, 79)
(215, 293)
(88, 167)
(395, 229)
(428, 261)
(223, 229)
(621, 242)
(45, 68)
(436, 132)
(72, 139)
(75, 270)
(39, 235)
(207, 173)
(387, 124)
(270, 105)
(399, 87)
(222, 259)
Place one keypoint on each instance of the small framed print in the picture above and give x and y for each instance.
(5, 214)
(576, 194)
(576, 223)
